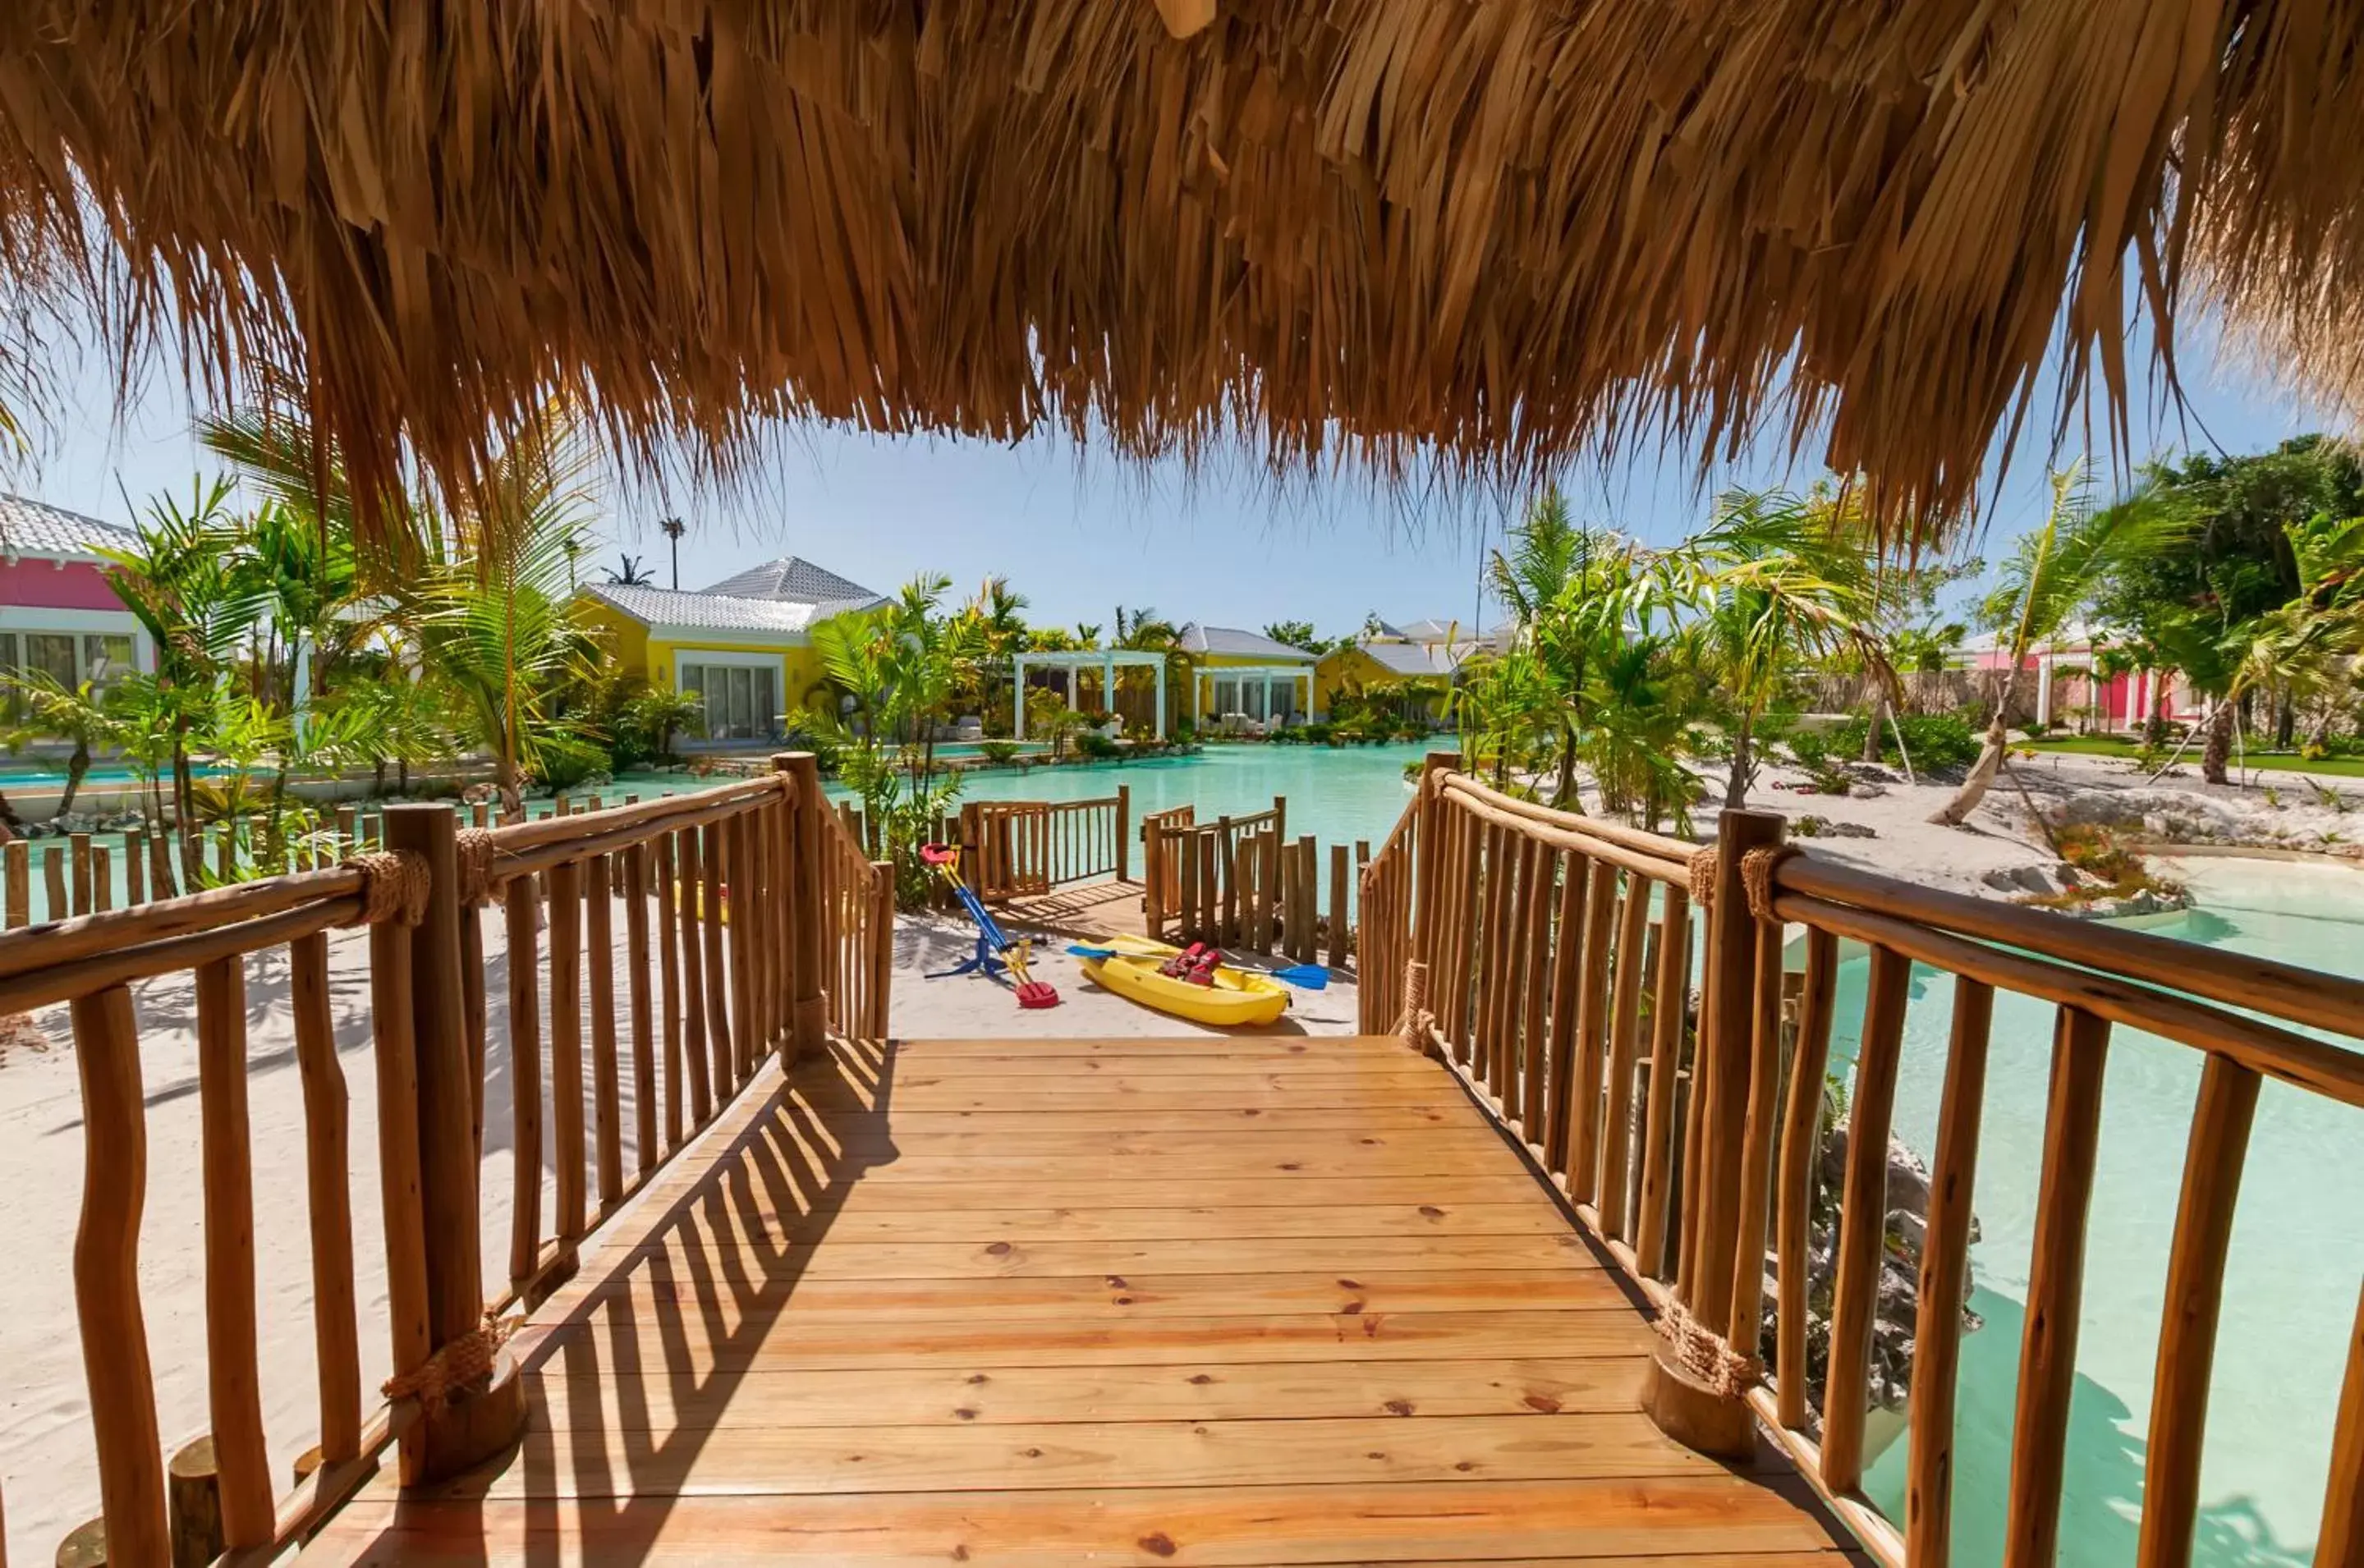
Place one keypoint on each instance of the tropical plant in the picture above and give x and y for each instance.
(491, 620)
(900, 664)
(198, 611)
(1777, 579)
(52, 709)
(630, 573)
(659, 714)
(2053, 573)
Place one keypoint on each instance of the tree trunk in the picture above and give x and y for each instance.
(2219, 749)
(1567, 789)
(77, 765)
(1871, 731)
(2155, 726)
(1954, 812)
(1743, 765)
(2285, 722)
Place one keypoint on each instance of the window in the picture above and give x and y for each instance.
(52, 653)
(105, 658)
(742, 700)
(1227, 697)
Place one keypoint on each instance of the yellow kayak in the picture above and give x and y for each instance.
(1237, 998)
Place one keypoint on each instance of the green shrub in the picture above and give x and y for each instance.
(568, 761)
(1938, 740)
(998, 751)
(1811, 750)
(1312, 734)
(1092, 743)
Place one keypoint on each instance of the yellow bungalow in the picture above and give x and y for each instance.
(1426, 651)
(1244, 677)
(744, 644)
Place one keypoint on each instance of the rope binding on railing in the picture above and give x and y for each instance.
(1757, 870)
(1706, 1356)
(473, 847)
(1417, 1020)
(455, 1365)
(394, 887)
(1702, 867)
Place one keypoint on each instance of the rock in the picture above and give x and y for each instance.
(1812, 827)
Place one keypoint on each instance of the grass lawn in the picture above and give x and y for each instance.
(2262, 761)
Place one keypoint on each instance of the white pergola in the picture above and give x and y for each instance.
(1265, 673)
(1107, 660)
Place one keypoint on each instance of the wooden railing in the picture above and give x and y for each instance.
(1548, 957)
(1242, 882)
(1161, 866)
(750, 924)
(1014, 848)
(857, 910)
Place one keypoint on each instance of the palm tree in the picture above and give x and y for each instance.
(492, 619)
(198, 611)
(2054, 571)
(1145, 630)
(632, 575)
(1782, 578)
(76, 713)
(672, 529)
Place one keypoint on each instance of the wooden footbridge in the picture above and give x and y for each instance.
(1488, 1283)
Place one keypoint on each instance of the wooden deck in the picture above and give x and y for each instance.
(1048, 1301)
(1084, 909)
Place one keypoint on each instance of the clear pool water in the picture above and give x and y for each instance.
(2297, 1251)
(1336, 793)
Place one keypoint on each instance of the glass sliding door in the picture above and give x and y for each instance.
(742, 700)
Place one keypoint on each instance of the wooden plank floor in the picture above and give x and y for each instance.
(1032, 1302)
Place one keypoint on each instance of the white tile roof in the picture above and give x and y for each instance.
(706, 612)
(797, 580)
(1231, 640)
(1411, 658)
(33, 528)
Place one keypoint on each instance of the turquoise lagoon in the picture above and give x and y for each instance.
(2291, 1277)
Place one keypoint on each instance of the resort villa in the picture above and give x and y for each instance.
(2068, 685)
(1426, 654)
(57, 616)
(745, 643)
(1244, 678)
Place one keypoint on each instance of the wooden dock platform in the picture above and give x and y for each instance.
(1050, 1301)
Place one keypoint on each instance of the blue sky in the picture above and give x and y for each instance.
(1080, 532)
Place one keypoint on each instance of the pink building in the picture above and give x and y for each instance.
(2069, 692)
(57, 613)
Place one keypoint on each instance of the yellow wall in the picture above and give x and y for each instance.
(654, 660)
(1344, 668)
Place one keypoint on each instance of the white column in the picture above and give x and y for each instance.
(2044, 688)
(302, 694)
(1071, 688)
(1018, 696)
(2146, 693)
(1108, 684)
(1159, 671)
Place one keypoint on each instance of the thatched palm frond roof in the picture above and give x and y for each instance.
(1498, 230)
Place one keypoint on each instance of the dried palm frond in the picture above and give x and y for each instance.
(1496, 233)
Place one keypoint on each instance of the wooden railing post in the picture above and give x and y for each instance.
(1153, 880)
(1713, 1416)
(1123, 832)
(486, 1416)
(881, 950)
(1427, 876)
(807, 1018)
